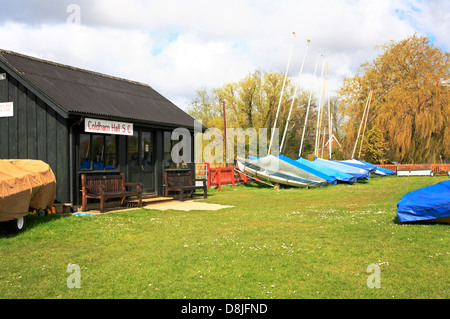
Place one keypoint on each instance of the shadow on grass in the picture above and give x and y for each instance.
(420, 222)
(31, 222)
(255, 185)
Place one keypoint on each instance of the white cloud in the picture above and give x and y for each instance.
(434, 18)
(179, 46)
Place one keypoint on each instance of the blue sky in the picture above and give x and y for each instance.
(178, 46)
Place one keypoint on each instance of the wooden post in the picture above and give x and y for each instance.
(225, 131)
(232, 175)
(208, 174)
(219, 177)
(83, 198)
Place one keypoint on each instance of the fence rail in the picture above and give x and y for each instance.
(224, 175)
(220, 175)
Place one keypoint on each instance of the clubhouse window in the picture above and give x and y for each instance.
(98, 152)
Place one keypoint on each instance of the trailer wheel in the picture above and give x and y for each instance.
(18, 225)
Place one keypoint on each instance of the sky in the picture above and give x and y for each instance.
(180, 46)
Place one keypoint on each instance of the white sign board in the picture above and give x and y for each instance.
(426, 172)
(107, 127)
(6, 109)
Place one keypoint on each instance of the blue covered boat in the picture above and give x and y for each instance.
(278, 171)
(330, 179)
(356, 172)
(352, 162)
(380, 170)
(428, 204)
(338, 175)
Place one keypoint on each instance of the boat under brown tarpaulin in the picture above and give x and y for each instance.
(25, 184)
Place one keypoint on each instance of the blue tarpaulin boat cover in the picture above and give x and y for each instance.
(382, 169)
(338, 175)
(357, 172)
(275, 170)
(308, 168)
(368, 167)
(329, 179)
(425, 204)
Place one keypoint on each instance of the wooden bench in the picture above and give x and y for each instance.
(103, 187)
(181, 181)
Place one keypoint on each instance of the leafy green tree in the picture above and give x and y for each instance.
(374, 147)
(205, 108)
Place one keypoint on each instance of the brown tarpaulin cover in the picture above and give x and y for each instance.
(25, 184)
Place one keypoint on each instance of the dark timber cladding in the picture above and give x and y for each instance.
(51, 103)
(36, 132)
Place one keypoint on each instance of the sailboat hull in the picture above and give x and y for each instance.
(275, 170)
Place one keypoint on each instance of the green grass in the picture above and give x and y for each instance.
(290, 243)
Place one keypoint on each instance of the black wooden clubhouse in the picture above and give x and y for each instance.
(79, 121)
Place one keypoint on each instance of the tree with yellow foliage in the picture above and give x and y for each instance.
(410, 106)
(252, 102)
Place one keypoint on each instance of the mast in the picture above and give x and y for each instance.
(293, 98)
(281, 94)
(225, 132)
(362, 120)
(307, 109)
(323, 102)
(319, 112)
(365, 123)
(330, 131)
(323, 140)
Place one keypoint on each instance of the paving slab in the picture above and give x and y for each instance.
(159, 203)
(186, 206)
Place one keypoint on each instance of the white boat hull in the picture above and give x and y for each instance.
(274, 170)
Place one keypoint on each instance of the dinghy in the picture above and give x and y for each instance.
(332, 176)
(280, 169)
(277, 171)
(355, 163)
(358, 173)
(310, 169)
(428, 204)
(299, 164)
(339, 172)
(380, 171)
(333, 173)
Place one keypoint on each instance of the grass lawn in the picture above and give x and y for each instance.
(281, 244)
